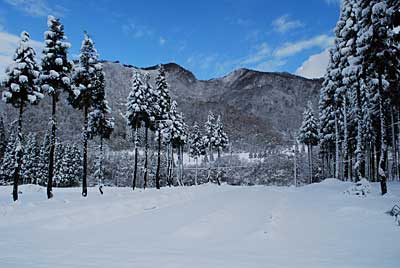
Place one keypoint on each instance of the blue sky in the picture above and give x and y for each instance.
(210, 38)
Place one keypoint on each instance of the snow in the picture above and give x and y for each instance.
(204, 226)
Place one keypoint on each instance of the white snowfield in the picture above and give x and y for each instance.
(204, 226)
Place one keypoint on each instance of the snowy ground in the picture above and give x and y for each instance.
(204, 226)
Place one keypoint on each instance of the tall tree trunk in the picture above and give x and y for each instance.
(337, 160)
(398, 143)
(360, 158)
(52, 148)
(85, 152)
(19, 154)
(171, 167)
(178, 171)
(382, 159)
(101, 166)
(135, 141)
(158, 160)
(345, 142)
(146, 160)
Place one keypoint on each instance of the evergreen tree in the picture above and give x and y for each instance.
(100, 123)
(175, 133)
(164, 105)
(136, 113)
(196, 146)
(58, 164)
(85, 87)
(30, 169)
(308, 133)
(44, 154)
(9, 161)
(221, 141)
(55, 78)
(209, 137)
(75, 170)
(21, 89)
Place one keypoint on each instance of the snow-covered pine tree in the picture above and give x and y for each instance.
(136, 113)
(8, 164)
(209, 135)
(374, 43)
(21, 89)
(175, 133)
(151, 99)
(326, 117)
(3, 139)
(55, 79)
(30, 169)
(44, 160)
(164, 105)
(196, 147)
(58, 164)
(85, 86)
(308, 133)
(100, 123)
(75, 171)
(221, 141)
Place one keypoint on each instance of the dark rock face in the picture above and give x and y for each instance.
(257, 107)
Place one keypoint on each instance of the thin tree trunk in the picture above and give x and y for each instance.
(52, 148)
(146, 149)
(178, 171)
(101, 166)
(337, 148)
(382, 159)
(135, 141)
(219, 155)
(85, 152)
(19, 154)
(345, 142)
(158, 160)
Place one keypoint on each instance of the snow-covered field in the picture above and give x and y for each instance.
(204, 226)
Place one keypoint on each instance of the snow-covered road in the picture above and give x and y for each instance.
(204, 226)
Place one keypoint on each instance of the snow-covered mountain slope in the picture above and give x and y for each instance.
(205, 226)
(257, 107)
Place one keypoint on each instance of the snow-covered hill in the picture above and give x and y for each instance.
(205, 226)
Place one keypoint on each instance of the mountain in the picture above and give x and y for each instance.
(257, 107)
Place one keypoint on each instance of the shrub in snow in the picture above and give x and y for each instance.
(361, 188)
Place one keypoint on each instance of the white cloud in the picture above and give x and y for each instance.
(8, 45)
(262, 52)
(162, 40)
(270, 65)
(315, 66)
(36, 8)
(289, 49)
(284, 24)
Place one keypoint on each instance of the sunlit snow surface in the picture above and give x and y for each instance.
(204, 226)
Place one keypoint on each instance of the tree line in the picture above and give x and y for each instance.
(83, 86)
(359, 106)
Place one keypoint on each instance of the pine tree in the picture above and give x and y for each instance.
(44, 154)
(9, 161)
(58, 164)
(209, 137)
(30, 169)
(85, 87)
(175, 133)
(75, 171)
(221, 141)
(55, 78)
(21, 90)
(196, 146)
(164, 105)
(136, 113)
(100, 123)
(308, 133)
